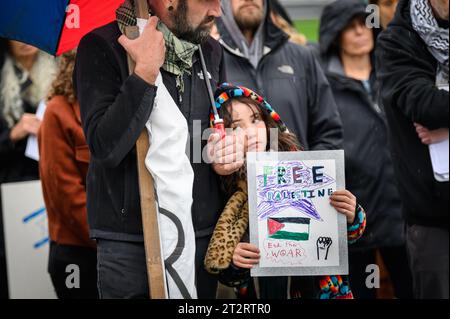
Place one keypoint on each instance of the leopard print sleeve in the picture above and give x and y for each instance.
(231, 227)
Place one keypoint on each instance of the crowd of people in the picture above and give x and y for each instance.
(374, 92)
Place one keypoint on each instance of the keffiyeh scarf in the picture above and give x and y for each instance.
(435, 37)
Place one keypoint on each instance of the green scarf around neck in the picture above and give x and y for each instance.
(179, 53)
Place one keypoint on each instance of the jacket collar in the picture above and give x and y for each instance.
(273, 36)
(335, 70)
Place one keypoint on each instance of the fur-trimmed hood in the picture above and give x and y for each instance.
(18, 85)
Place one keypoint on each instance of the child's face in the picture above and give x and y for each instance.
(247, 119)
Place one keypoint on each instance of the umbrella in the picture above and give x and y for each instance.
(55, 26)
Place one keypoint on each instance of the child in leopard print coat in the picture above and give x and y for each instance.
(229, 253)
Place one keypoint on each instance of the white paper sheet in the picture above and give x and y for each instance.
(440, 160)
(439, 154)
(32, 150)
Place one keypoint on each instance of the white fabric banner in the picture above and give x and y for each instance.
(173, 178)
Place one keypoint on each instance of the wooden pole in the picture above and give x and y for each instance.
(150, 225)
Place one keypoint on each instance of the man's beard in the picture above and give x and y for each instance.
(248, 22)
(186, 32)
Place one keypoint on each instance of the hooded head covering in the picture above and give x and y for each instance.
(254, 51)
(227, 92)
(280, 10)
(335, 17)
(20, 87)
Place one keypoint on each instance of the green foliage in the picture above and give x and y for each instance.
(310, 28)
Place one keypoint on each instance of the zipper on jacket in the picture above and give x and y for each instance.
(259, 77)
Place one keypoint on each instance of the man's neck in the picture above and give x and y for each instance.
(249, 35)
(439, 13)
(357, 67)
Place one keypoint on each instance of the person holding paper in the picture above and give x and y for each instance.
(438, 144)
(25, 77)
(414, 72)
(431, 137)
(247, 113)
(63, 165)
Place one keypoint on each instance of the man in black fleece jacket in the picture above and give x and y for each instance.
(412, 58)
(115, 107)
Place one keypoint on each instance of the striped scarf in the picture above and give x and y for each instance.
(436, 38)
(179, 53)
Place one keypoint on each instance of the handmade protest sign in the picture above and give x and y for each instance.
(291, 220)
(26, 241)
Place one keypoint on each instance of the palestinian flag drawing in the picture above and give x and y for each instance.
(289, 228)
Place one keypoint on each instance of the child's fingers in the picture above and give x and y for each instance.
(222, 149)
(342, 198)
(246, 255)
(244, 262)
(240, 265)
(344, 193)
(233, 167)
(249, 247)
(343, 202)
(229, 140)
(348, 214)
(213, 139)
(344, 206)
(249, 254)
(230, 158)
(241, 262)
(243, 266)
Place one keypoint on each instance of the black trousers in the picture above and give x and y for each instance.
(122, 272)
(396, 261)
(207, 284)
(428, 257)
(61, 263)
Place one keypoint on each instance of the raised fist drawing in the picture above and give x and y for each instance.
(323, 246)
